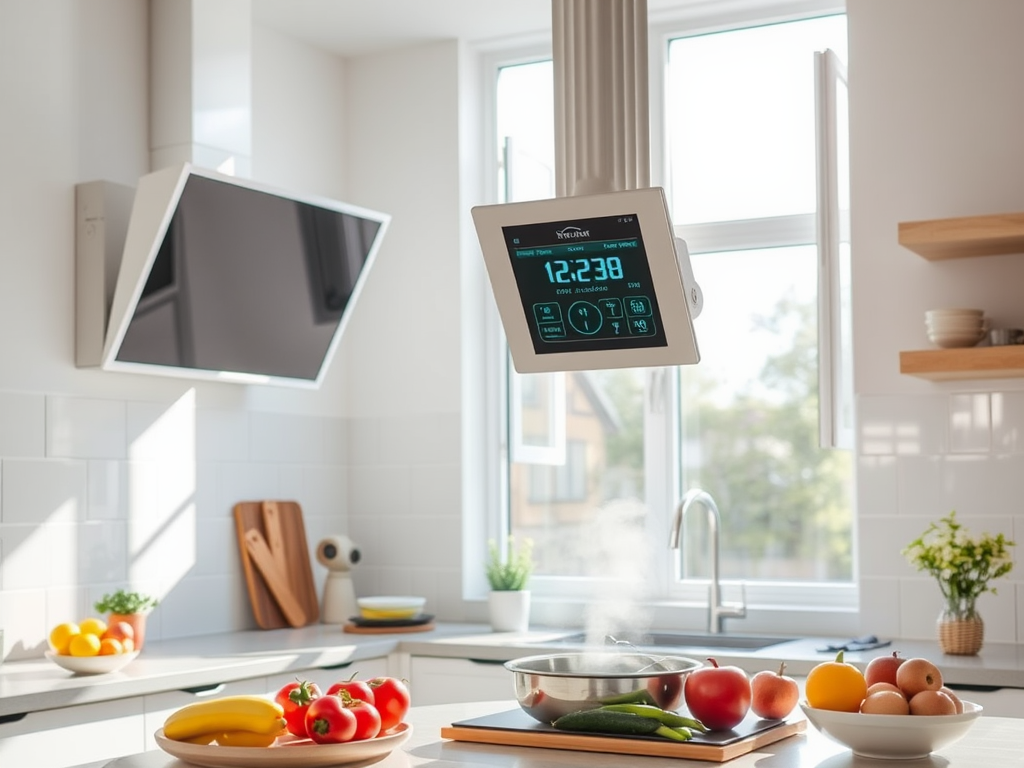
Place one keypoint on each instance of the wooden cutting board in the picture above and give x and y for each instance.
(515, 728)
(275, 561)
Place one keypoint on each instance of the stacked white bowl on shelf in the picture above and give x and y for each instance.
(955, 327)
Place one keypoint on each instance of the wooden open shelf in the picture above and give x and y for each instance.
(1004, 362)
(964, 237)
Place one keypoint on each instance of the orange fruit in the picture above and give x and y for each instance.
(60, 637)
(110, 646)
(119, 630)
(93, 626)
(836, 685)
(84, 644)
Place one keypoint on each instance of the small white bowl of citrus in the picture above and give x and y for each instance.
(91, 646)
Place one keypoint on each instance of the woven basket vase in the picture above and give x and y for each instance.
(960, 637)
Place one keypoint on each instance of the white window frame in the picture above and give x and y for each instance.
(803, 608)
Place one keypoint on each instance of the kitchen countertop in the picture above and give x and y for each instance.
(34, 685)
(997, 738)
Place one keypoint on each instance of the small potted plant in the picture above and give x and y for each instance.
(129, 607)
(964, 567)
(508, 574)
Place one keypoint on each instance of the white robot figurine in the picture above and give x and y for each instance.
(338, 554)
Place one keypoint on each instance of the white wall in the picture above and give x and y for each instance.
(109, 480)
(936, 110)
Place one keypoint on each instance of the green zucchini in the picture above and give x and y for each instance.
(613, 723)
(663, 716)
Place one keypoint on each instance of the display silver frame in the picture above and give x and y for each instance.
(650, 207)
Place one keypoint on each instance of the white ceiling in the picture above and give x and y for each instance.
(355, 27)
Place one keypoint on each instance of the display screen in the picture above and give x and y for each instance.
(585, 284)
(248, 282)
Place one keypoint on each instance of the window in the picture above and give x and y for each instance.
(742, 175)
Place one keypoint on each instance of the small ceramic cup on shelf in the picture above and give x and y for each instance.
(999, 337)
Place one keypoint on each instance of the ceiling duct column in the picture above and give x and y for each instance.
(201, 84)
(602, 117)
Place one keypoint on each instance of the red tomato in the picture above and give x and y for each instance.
(357, 689)
(717, 696)
(367, 718)
(295, 699)
(329, 721)
(391, 698)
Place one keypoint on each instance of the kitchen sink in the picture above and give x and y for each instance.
(680, 640)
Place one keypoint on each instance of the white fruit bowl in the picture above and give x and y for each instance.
(893, 736)
(92, 665)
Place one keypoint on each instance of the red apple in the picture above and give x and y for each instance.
(882, 669)
(773, 695)
(717, 696)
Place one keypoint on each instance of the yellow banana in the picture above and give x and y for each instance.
(203, 739)
(246, 739)
(228, 713)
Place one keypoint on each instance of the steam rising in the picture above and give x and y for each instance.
(620, 557)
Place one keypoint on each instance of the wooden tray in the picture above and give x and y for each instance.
(290, 577)
(355, 629)
(515, 728)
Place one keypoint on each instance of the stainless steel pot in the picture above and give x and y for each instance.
(551, 685)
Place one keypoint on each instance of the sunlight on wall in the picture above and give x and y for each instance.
(162, 487)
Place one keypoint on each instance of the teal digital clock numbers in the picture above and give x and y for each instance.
(594, 269)
(585, 284)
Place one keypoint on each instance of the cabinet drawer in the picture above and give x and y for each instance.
(437, 680)
(159, 706)
(58, 738)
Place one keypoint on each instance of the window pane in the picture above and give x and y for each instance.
(741, 120)
(750, 423)
(601, 484)
(526, 125)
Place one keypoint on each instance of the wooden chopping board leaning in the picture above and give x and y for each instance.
(275, 561)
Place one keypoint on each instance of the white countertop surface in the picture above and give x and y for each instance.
(33, 685)
(995, 742)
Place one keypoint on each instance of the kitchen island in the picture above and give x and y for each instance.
(994, 742)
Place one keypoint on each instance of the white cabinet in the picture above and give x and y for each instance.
(998, 702)
(73, 735)
(157, 707)
(435, 680)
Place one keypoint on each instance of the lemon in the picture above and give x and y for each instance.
(84, 644)
(60, 637)
(92, 626)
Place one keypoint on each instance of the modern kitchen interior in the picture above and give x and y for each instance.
(114, 478)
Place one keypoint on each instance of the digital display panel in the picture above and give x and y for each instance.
(585, 284)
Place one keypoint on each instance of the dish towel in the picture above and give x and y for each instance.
(865, 643)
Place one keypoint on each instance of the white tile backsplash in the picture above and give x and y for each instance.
(97, 494)
(1008, 422)
(970, 423)
(978, 470)
(892, 424)
(107, 490)
(43, 490)
(85, 428)
(22, 425)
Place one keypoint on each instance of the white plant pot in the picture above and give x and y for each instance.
(510, 610)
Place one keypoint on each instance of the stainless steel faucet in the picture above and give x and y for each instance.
(717, 610)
